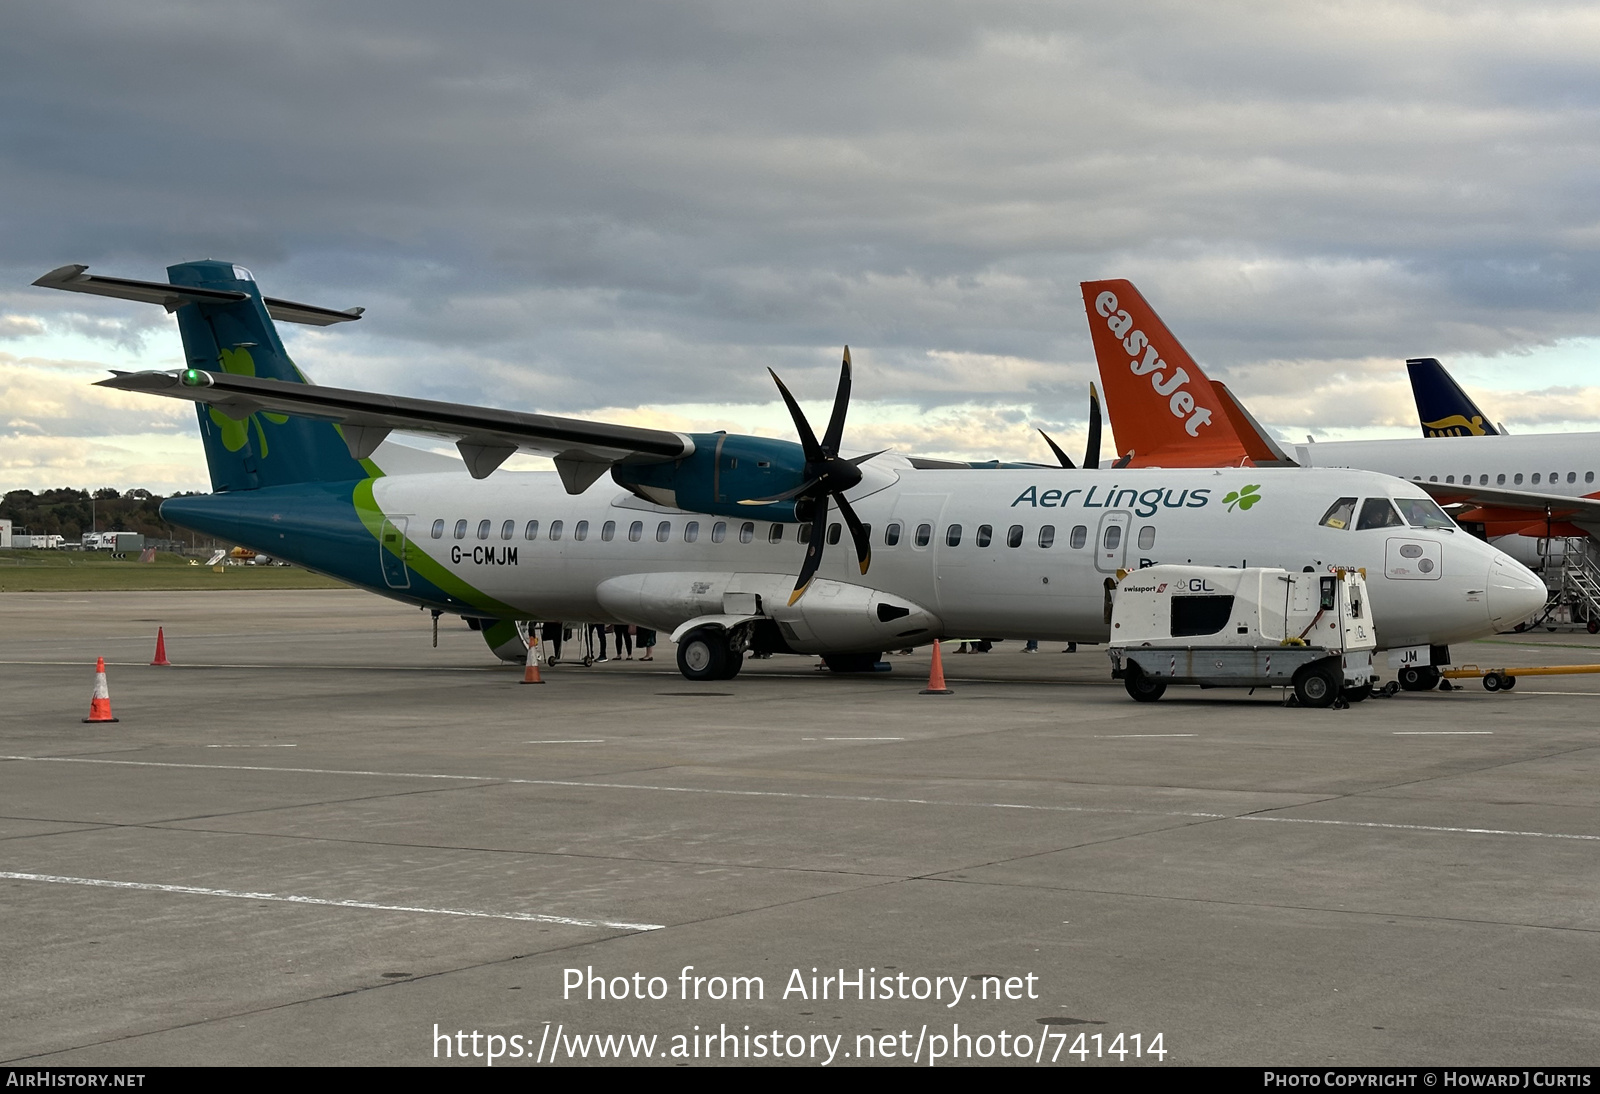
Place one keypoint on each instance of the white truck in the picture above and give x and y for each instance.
(1246, 628)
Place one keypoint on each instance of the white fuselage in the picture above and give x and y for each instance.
(1053, 538)
(1545, 463)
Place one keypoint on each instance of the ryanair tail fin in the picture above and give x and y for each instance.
(227, 326)
(1444, 409)
(1164, 410)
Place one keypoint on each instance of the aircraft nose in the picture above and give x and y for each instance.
(1514, 592)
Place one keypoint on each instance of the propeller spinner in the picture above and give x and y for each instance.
(827, 475)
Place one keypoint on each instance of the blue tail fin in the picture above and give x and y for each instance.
(259, 448)
(1445, 410)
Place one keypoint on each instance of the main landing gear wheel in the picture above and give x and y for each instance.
(1419, 678)
(1315, 686)
(1146, 689)
(704, 655)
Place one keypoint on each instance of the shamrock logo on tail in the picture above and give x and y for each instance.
(1244, 497)
(238, 362)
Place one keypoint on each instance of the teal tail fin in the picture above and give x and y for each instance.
(236, 334)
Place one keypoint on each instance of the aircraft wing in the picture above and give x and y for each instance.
(486, 437)
(1498, 497)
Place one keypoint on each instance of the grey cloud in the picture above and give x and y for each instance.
(549, 205)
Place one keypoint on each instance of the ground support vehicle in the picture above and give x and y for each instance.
(1249, 628)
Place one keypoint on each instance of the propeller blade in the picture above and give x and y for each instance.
(858, 532)
(1064, 459)
(1091, 455)
(819, 530)
(808, 439)
(841, 403)
(785, 496)
(859, 460)
(1125, 461)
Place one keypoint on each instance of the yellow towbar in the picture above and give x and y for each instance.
(1498, 679)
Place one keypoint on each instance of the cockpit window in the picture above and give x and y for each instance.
(1340, 514)
(1378, 513)
(1423, 513)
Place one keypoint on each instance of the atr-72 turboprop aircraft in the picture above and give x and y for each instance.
(723, 539)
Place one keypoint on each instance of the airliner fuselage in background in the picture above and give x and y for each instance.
(690, 544)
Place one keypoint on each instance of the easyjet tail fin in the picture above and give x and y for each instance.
(1164, 410)
(1444, 409)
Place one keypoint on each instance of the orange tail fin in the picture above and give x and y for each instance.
(1162, 407)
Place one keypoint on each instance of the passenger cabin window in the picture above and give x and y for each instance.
(1536, 478)
(1014, 536)
(608, 531)
(438, 528)
(636, 531)
(663, 531)
(924, 535)
(747, 531)
(1378, 513)
(483, 529)
(691, 531)
(985, 535)
(1339, 514)
(775, 534)
(1047, 536)
(1423, 513)
(1194, 615)
(1499, 480)
(508, 529)
(803, 533)
(531, 531)
(555, 529)
(1449, 478)
(1588, 476)
(580, 531)
(1572, 476)
(1080, 536)
(461, 529)
(952, 536)
(1113, 539)
(719, 531)
(891, 534)
(1483, 480)
(1147, 537)
(833, 534)
(1517, 479)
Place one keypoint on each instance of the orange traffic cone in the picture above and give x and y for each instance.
(100, 704)
(530, 673)
(161, 649)
(936, 676)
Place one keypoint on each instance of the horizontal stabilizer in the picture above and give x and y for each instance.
(487, 435)
(172, 297)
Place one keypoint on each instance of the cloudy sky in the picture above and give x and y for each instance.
(628, 210)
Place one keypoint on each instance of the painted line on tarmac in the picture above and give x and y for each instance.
(1421, 827)
(794, 794)
(289, 898)
(1138, 736)
(1444, 733)
(580, 785)
(859, 738)
(591, 741)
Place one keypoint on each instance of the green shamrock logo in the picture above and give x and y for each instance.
(238, 362)
(1244, 498)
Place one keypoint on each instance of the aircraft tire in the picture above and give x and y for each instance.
(1492, 682)
(1315, 686)
(1593, 626)
(1356, 695)
(735, 662)
(1508, 682)
(1143, 688)
(703, 655)
(1419, 678)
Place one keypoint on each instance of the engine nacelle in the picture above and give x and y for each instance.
(833, 616)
